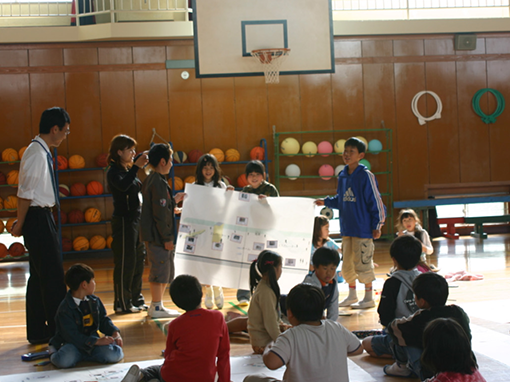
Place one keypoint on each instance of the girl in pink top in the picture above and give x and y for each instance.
(447, 353)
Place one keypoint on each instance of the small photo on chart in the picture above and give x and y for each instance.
(236, 238)
(184, 228)
(189, 248)
(217, 246)
(258, 246)
(272, 244)
(242, 220)
(290, 262)
(191, 240)
(252, 257)
(244, 197)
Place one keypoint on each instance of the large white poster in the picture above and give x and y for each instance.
(222, 232)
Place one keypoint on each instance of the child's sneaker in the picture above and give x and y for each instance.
(348, 302)
(208, 302)
(159, 311)
(218, 296)
(133, 374)
(363, 304)
(397, 370)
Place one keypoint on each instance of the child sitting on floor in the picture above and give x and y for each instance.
(197, 345)
(313, 349)
(79, 317)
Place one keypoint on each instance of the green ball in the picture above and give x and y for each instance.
(366, 163)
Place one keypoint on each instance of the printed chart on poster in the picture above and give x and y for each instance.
(222, 232)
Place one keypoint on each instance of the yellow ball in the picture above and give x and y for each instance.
(218, 153)
(232, 155)
(189, 179)
(339, 146)
(97, 242)
(309, 149)
(12, 177)
(179, 184)
(11, 202)
(290, 146)
(364, 141)
(76, 161)
(80, 244)
(9, 155)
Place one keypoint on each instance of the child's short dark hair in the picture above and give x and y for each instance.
(406, 250)
(51, 117)
(446, 347)
(186, 292)
(156, 153)
(77, 274)
(431, 287)
(325, 256)
(255, 166)
(355, 142)
(306, 302)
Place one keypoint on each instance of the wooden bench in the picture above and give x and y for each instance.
(479, 220)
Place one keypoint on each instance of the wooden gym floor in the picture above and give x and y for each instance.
(486, 302)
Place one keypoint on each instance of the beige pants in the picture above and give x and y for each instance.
(358, 260)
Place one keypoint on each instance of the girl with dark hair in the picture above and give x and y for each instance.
(447, 353)
(128, 249)
(208, 173)
(264, 324)
(321, 238)
(410, 224)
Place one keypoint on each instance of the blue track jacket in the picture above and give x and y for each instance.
(359, 202)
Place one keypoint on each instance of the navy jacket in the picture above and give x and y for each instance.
(125, 188)
(69, 322)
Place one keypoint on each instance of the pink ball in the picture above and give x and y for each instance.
(325, 148)
(326, 171)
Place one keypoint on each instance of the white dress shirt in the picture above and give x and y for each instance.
(35, 176)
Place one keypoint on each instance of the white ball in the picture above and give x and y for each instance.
(293, 170)
(338, 169)
(327, 212)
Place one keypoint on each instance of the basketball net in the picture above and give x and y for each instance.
(271, 60)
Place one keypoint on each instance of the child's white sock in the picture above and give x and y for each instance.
(352, 293)
(368, 294)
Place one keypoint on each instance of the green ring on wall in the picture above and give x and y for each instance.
(499, 109)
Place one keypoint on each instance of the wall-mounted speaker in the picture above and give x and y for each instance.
(465, 41)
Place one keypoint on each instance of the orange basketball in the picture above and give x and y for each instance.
(62, 162)
(194, 155)
(8, 225)
(232, 155)
(21, 152)
(78, 189)
(3, 251)
(257, 153)
(9, 155)
(63, 217)
(241, 181)
(97, 242)
(218, 153)
(75, 217)
(2, 226)
(80, 244)
(92, 215)
(3, 179)
(1, 203)
(17, 249)
(179, 184)
(109, 241)
(94, 188)
(189, 179)
(67, 244)
(12, 177)
(11, 202)
(101, 160)
(76, 161)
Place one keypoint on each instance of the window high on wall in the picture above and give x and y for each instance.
(419, 9)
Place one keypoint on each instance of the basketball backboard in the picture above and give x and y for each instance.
(226, 31)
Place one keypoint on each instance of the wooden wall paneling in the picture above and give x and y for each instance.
(184, 51)
(347, 48)
(443, 133)
(151, 106)
(15, 110)
(411, 136)
(117, 106)
(47, 90)
(408, 47)
(185, 105)
(474, 134)
(115, 56)
(81, 56)
(497, 45)
(45, 57)
(348, 107)
(498, 73)
(380, 105)
(377, 48)
(439, 46)
(284, 108)
(14, 58)
(149, 54)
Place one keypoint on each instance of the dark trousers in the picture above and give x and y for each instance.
(129, 260)
(152, 373)
(45, 287)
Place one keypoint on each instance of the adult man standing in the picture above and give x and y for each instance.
(37, 195)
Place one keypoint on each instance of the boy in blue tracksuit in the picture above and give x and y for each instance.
(362, 214)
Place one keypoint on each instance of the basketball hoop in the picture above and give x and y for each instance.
(271, 60)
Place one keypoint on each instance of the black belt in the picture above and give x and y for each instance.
(40, 208)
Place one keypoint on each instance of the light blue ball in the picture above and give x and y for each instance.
(366, 163)
(375, 146)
